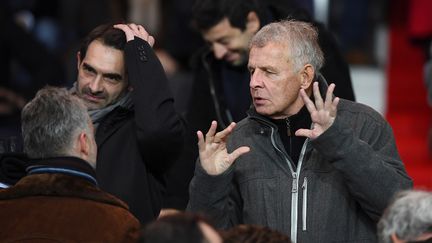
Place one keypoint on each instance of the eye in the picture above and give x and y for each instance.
(251, 71)
(268, 71)
(112, 78)
(224, 42)
(88, 71)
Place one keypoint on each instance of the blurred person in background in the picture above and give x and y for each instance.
(408, 218)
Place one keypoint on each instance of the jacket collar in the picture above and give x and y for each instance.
(71, 166)
(57, 183)
(111, 123)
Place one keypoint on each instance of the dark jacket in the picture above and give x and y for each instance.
(12, 168)
(63, 207)
(343, 180)
(137, 146)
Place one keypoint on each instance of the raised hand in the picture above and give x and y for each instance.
(213, 154)
(132, 30)
(323, 113)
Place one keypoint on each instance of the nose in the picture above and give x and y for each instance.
(256, 80)
(219, 50)
(96, 84)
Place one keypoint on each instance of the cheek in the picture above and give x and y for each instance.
(83, 80)
(115, 91)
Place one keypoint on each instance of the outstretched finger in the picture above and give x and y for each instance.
(319, 103)
(334, 105)
(329, 96)
(211, 133)
(201, 142)
(307, 101)
(222, 135)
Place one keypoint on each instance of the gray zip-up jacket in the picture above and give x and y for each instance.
(343, 180)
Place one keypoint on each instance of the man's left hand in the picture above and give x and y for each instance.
(323, 113)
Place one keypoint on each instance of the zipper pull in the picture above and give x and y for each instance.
(288, 124)
(294, 183)
(304, 183)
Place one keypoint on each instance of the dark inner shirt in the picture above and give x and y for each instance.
(287, 128)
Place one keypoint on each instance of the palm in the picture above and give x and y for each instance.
(213, 154)
(323, 113)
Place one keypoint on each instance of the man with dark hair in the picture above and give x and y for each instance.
(313, 166)
(138, 132)
(59, 199)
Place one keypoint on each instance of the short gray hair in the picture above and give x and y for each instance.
(408, 216)
(301, 38)
(51, 121)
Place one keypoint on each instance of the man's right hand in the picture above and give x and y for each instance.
(213, 154)
(132, 30)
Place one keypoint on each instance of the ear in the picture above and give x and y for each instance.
(83, 144)
(78, 59)
(252, 22)
(307, 74)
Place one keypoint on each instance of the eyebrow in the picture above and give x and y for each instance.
(114, 76)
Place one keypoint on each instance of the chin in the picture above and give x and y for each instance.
(263, 112)
(92, 106)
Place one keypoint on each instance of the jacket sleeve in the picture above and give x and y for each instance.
(159, 129)
(368, 160)
(215, 197)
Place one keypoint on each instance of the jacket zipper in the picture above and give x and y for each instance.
(213, 94)
(304, 211)
(295, 184)
(288, 124)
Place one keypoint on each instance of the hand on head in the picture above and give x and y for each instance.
(213, 154)
(132, 30)
(323, 113)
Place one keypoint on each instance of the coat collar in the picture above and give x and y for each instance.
(59, 185)
(71, 166)
(111, 123)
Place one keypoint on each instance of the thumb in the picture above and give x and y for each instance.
(237, 153)
(304, 133)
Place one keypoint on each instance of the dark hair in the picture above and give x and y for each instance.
(107, 34)
(179, 228)
(253, 234)
(208, 13)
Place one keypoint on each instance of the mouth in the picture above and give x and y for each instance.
(259, 100)
(231, 57)
(93, 98)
